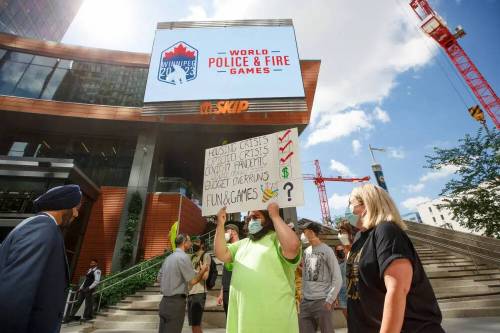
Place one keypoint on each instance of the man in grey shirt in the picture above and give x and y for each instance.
(321, 282)
(176, 277)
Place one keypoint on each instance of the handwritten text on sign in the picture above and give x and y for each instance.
(249, 174)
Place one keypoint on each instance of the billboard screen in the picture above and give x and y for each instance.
(224, 63)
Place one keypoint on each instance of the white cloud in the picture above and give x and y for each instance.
(444, 172)
(338, 202)
(196, 13)
(356, 146)
(381, 115)
(356, 68)
(415, 188)
(337, 125)
(397, 153)
(341, 168)
(411, 203)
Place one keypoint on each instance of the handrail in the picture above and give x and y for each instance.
(128, 277)
(129, 269)
(143, 267)
(456, 249)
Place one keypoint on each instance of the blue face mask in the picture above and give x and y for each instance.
(254, 226)
(351, 217)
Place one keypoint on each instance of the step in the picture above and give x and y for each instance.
(471, 304)
(470, 293)
(467, 312)
(138, 305)
(453, 265)
(135, 298)
(460, 273)
(477, 289)
(459, 282)
(437, 261)
(136, 325)
(454, 268)
(492, 296)
(118, 311)
(130, 317)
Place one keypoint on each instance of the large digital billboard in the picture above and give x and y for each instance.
(224, 63)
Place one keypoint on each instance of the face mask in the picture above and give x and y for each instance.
(196, 247)
(344, 239)
(304, 239)
(227, 236)
(254, 226)
(353, 219)
(340, 254)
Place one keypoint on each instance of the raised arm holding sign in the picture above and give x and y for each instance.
(263, 273)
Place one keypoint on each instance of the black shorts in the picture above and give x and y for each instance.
(196, 305)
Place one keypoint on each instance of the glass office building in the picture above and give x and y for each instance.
(71, 114)
(40, 19)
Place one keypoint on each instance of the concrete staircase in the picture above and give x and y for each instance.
(463, 287)
(139, 313)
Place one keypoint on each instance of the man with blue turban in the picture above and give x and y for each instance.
(33, 267)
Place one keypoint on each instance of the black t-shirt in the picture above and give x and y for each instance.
(372, 252)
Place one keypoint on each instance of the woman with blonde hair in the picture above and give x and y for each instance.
(387, 288)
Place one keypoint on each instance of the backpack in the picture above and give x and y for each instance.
(212, 273)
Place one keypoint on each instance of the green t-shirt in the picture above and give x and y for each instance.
(262, 293)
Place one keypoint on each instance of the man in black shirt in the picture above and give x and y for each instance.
(86, 290)
(232, 236)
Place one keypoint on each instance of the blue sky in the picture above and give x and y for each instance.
(382, 82)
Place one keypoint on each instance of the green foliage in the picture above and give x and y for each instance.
(474, 197)
(134, 210)
(117, 286)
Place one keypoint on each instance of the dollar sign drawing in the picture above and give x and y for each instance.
(284, 172)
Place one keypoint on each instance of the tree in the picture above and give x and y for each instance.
(474, 196)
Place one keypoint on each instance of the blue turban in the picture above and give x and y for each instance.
(58, 198)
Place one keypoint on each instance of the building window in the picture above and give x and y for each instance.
(442, 217)
(430, 210)
(17, 149)
(26, 75)
(434, 219)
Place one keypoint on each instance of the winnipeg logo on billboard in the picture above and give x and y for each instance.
(178, 64)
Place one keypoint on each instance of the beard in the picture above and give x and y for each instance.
(66, 218)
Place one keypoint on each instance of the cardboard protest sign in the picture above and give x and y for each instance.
(250, 174)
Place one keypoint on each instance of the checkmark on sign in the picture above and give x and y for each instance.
(282, 149)
(281, 138)
(284, 159)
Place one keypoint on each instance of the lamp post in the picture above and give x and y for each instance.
(377, 169)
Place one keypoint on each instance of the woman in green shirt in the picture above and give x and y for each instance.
(261, 297)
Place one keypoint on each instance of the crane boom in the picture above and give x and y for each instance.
(434, 26)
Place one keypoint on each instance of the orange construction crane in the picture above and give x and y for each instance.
(434, 26)
(319, 181)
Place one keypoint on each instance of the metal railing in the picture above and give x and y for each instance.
(478, 248)
(209, 239)
(129, 281)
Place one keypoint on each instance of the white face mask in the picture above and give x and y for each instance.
(227, 236)
(304, 239)
(344, 239)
